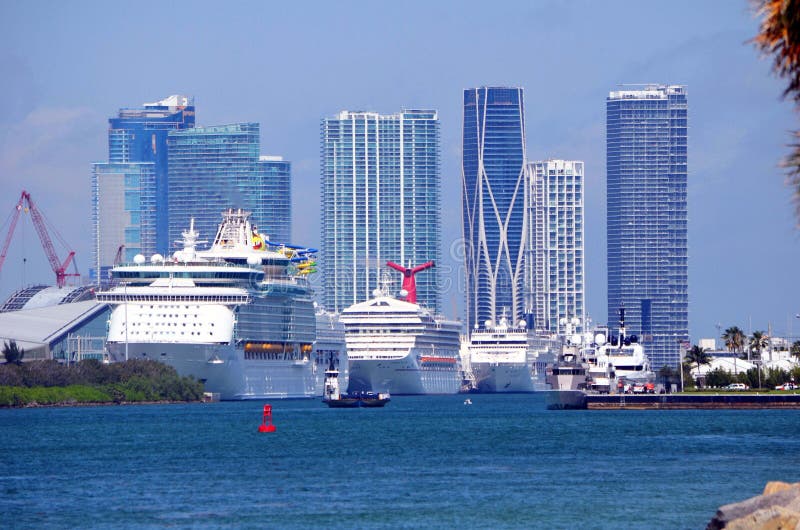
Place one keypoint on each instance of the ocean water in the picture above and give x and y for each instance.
(420, 462)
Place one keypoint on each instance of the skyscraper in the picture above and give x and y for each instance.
(215, 168)
(123, 214)
(493, 195)
(140, 135)
(129, 192)
(554, 261)
(646, 145)
(380, 201)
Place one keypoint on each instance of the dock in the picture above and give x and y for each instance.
(582, 400)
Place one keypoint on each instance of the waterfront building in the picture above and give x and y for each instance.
(646, 159)
(554, 256)
(215, 168)
(493, 195)
(123, 214)
(380, 201)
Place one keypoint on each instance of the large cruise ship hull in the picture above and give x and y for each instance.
(223, 369)
(506, 377)
(403, 377)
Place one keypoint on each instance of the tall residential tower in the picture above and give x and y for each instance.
(380, 201)
(554, 261)
(493, 195)
(646, 144)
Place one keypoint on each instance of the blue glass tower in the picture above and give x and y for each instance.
(493, 195)
(140, 135)
(380, 201)
(215, 168)
(646, 144)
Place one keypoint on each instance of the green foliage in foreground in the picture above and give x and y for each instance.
(51, 383)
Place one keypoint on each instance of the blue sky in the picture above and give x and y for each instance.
(68, 66)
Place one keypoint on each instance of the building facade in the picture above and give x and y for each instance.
(140, 135)
(129, 192)
(123, 215)
(380, 201)
(646, 141)
(493, 195)
(215, 168)
(554, 255)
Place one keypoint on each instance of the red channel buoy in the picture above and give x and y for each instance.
(266, 422)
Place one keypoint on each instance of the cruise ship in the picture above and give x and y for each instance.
(510, 359)
(239, 316)
(399, 347)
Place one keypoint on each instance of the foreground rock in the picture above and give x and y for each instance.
(778, 508)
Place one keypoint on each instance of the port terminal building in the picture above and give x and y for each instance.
(46, 326)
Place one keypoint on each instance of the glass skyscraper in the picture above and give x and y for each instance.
(129, 192)
(215, 168)
(380, 201)
(555, 262)
(646, 143)
(493, 195)
(140, 135)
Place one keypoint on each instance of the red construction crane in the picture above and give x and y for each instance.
(409, 284)
(44, 237)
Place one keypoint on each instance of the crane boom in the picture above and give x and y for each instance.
(44, 237)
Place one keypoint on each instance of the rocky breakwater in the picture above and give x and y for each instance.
(777, 508)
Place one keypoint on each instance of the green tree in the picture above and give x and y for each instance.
(758, 341)
(734, 339)
(779, 37)
(718, 378)
(697, 356)
(13, 353)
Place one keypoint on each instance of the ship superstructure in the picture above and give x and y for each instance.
(398, 347)
(239, 316)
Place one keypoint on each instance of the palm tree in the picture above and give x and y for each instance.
(758, 341)
(779, 37)
(734, 339)
(697, 356)
(13, 353)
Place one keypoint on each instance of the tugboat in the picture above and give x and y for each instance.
(334, 399)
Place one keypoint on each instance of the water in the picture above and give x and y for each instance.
(503, 462)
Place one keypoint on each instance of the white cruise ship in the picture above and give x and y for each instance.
(397, 347)
(506, 359)
(239, 317)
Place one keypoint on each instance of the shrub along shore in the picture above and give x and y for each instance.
(90, 382)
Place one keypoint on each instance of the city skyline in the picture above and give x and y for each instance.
(53, 107)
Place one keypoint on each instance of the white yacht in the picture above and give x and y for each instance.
(239, 316)
(621, 358)
(399, 347)
(510, 359)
